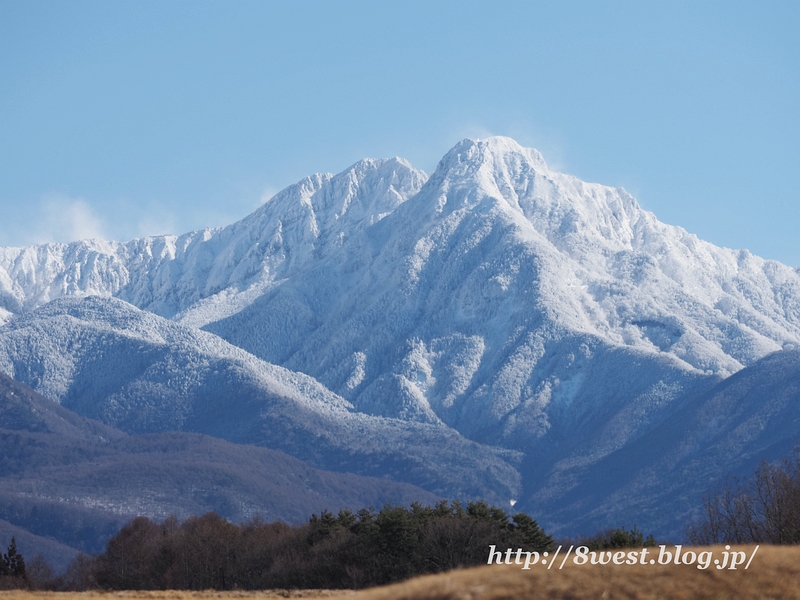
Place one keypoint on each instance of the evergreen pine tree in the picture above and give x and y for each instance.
(14, 563)
(532, 534)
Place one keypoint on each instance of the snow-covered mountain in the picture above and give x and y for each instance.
(504, 297)
(497, 302)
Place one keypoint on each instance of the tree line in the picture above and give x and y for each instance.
(346, 550)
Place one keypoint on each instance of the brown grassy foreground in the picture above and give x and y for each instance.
(176, 595)
(774, 573)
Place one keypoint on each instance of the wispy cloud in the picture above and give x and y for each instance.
(65, 219)
(267, 194)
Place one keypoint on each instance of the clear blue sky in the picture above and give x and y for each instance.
(128, 118)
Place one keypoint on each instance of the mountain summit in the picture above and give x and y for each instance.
(544, 324)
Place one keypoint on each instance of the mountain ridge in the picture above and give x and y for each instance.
(202, 262)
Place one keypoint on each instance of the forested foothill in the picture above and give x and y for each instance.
(352, 550)
(347, 550)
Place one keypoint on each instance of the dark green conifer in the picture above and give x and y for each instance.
(13, 563)
(532, 534)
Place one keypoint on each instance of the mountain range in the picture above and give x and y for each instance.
(495, 329)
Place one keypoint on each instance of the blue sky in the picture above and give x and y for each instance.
(120, 119)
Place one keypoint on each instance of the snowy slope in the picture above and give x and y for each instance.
(167, 274)
(107, 360)
(752, 416)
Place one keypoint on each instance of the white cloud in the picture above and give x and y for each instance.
(65, 219)
(267, 194)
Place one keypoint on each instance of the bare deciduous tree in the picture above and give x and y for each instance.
(764, 508)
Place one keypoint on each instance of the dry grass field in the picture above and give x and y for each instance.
(773, 573)
(178, 595)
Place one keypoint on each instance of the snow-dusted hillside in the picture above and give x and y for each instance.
(69, 483)
(660, 479)
(105, 359)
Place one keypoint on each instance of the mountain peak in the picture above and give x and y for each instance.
(493, 151)
(475, 169)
